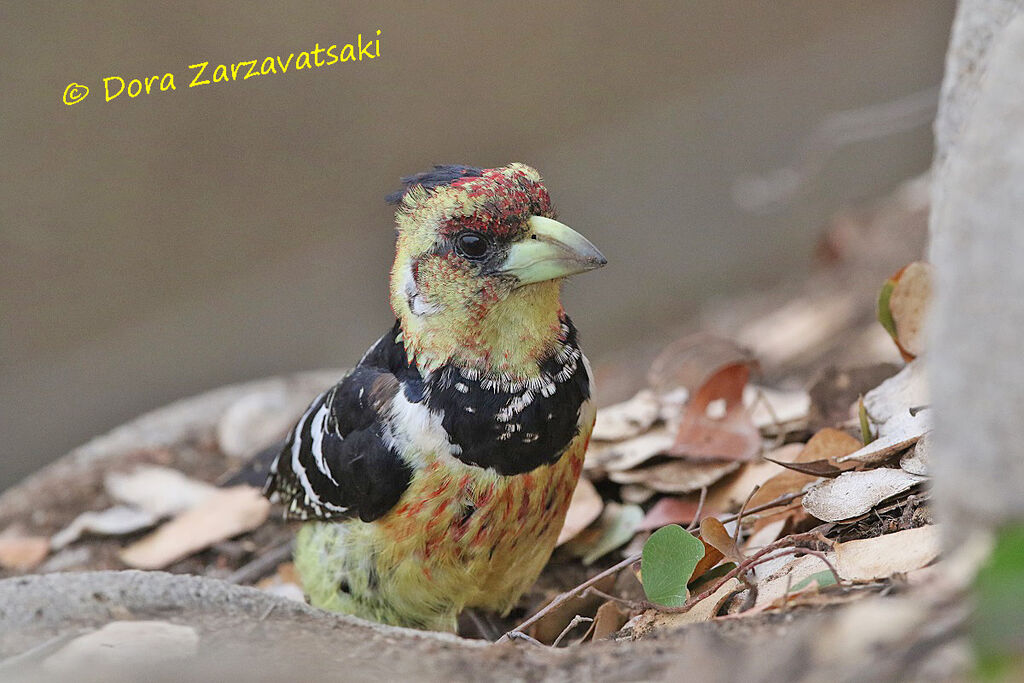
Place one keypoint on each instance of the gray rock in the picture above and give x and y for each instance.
(977, 224)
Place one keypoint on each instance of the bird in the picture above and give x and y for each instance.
(436, 475)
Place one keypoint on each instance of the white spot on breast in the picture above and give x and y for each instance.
(414, 431)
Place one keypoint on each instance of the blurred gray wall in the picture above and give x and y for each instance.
(159, 246)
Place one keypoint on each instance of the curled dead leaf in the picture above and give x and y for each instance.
(882, 556)
(714, 534)
(584, 508)
(628, 419)
(903, 307)
(676, 476)
(889, 407)
(733, 436)
(854, 493)
(225, 514)
(670, 510)
(689, 362)
(608, 620)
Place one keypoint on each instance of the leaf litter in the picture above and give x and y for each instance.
(687, 447)
(780, 554)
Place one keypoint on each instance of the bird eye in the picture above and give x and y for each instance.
(472, 245)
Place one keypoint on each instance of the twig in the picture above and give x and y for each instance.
(562, 598)
(700, 508)
(739, 515)
(631, 604)
(262, 565)
(576, 621)
(519, 635)
(570, 594)
(780, 433)
(781, 500)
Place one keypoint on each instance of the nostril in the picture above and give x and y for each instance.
(533, 237)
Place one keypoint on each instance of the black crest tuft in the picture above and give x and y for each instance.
(439, 176)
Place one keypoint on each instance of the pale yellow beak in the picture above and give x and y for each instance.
(550, 250)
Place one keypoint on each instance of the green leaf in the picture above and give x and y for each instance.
(884, 313)
(997, 628)
(668, 560)
(866, 436)
(824, 578)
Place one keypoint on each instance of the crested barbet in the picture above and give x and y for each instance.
(436, 475)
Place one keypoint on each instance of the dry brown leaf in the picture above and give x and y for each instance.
(227, 513)
(888, 406)
(676, 476)
(625, 455)
(828, 444)
(584, 508)
(714, 534)
(635, 493)
(780, 485)
(653, 621)
(669, 510)
(628, 419)
(882, 556)
(908, 306)
(712, 556)
(782, 576)
(608, 620)
(775, 409)
(22, 553)
(731, 491)
(730, 437)
(854, 493)
(915, 461)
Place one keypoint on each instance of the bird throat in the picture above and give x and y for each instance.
(508, 336)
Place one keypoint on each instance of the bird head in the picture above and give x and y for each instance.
(479, 262)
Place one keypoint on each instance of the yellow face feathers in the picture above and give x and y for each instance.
(478, 265)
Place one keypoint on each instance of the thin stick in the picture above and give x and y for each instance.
(519, 635)
(631, 604)
(262, 565)
(739, 515)
(570, 594)
(562, 598)
(780, 434)
(576, 621)
(700, 508)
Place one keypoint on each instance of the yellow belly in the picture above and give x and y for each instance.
(460, 536)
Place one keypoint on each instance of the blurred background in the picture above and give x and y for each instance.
(156, 247)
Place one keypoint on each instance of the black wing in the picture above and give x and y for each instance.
(335, 463)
